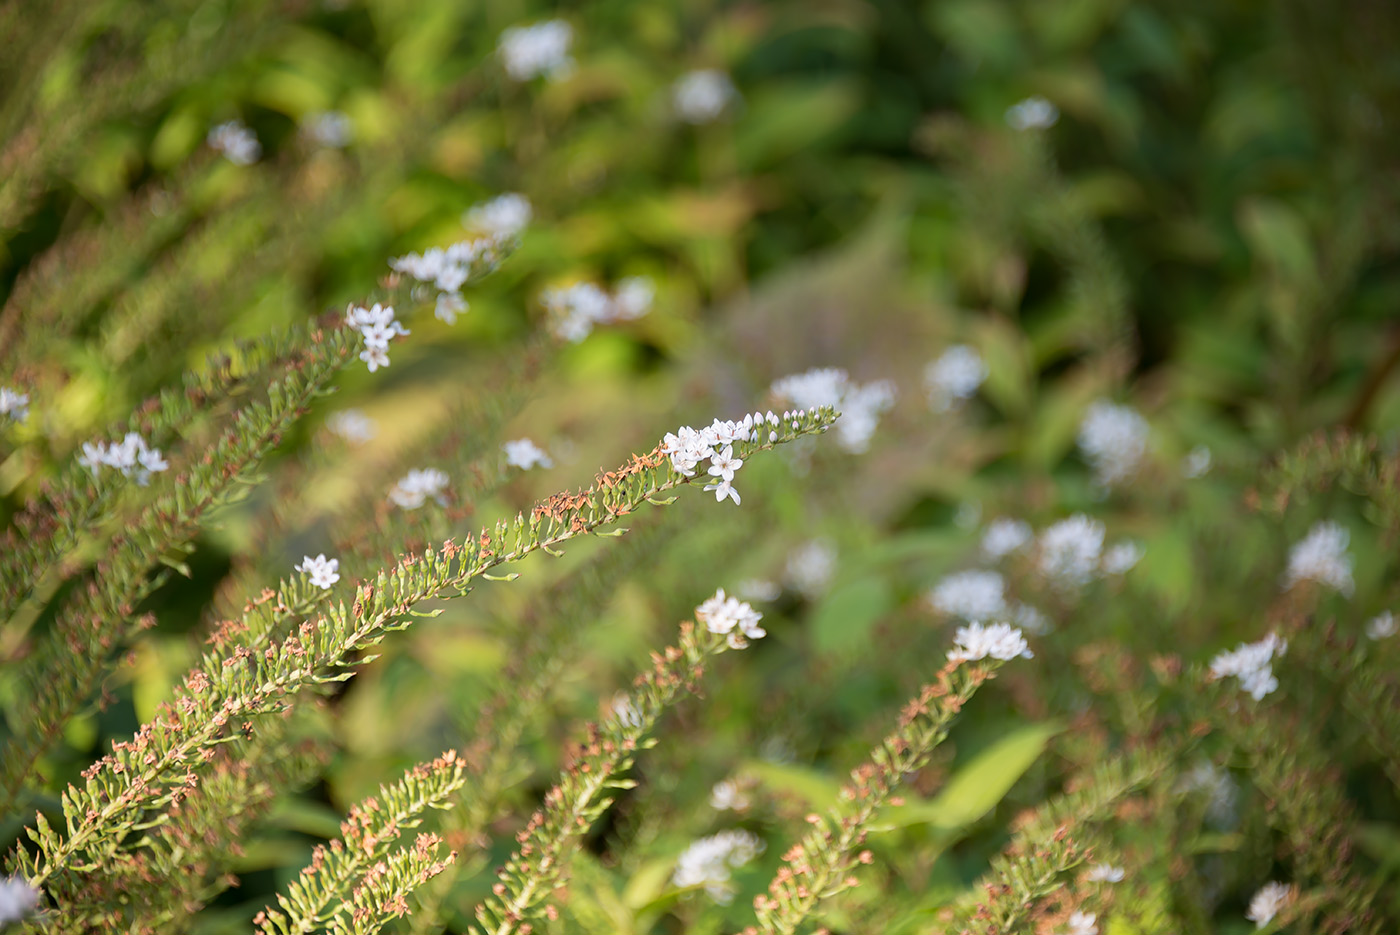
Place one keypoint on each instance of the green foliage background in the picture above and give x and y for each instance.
(1208, 233)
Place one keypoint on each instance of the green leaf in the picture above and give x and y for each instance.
(818, 790)
(842, 622)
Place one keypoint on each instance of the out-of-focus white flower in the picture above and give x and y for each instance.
(810, 567)
(730, 617)
(448, 268)
(633, 297)
(1251, 664)
(1082, 923)
(971, 595)
(324, 571)
(954, 377)
(1104, 873)
(1268, 902)
(17, 899)
(375, 357)
(728, 796)
(14, 404)
(759, 589)
(708, 862)
(575, 310)
(860, 406)
(702, 96)
(1029, 619)
(1197, 462)
(1069, 550)
(1322, 556)
(1381, 626)
(537, 49)
(1222, 794)
(417, 486)
(1114, 440)
(1004, 536)
(1000, 641)
(1033, 113)
(503, 216)
(352, 425)
(525, 454)
(131, 456)
(1121, 557)
(236, 142)
(625, 711)
(330, 128)
(449, 305)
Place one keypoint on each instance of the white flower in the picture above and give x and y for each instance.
(722, 490)
(538, 49)
(17, 899)
(378, 327)
(1069, 550)
(1121, 557)
(131, 456)
(448, 268)
(688, 447)
(503, 216)
(1250, 663)
(323, 571)
(329, 128)
(732, 617)
(1029, 619)
(1322, 557)
(971, 595)
(1000, 641)
(1082, 923)
(954, 377)
(1197, 462)
(1222, 794)
(723, 464)
(727, 796)
(625, 711)
(1004, 536)
(1033, 113)
(575, 310)
(811, 566)
(14, 404)
(860, 406)
(525, 454)
(352, 425)
(632, 298)
(449, 306)
(1267, 903)
(417, 486)
(1381, 626)
(759, 589)
(702, 96)
(375, 357)
(1104, 873)
(236, 142)
(1114, 440)
(708, 861)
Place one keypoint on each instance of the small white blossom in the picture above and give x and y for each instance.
(1197, 462)
(575, 310)
(525, 454)
(759, 589)
(14, 404)
(503, 216)
(1029, 619)
(449, 306)
(708, 862)
(688, 447)
(1222, 805)
(1251, 664)
(728, 796)
(329, 128)
(17, 899)
(860, 406)
(1033, 113)
(954, 377)
(724, 490)
(1322, 557)
(1114, 440)
(811, 566)
(448, 268)
(702, 96)
(731, 617)
(236, 142)
(417, 486)
(971, 595)
(1069, 550)
(1381, 626)
(378, 327)
(1082, 923)
(1004, 536)
(324, 571)
(1121, 557)
(1000, 641)
(1104, 873)
(1268, 902)
(538, 49)
(723, 464)
(131, 456)
(374, 358)
(625, 711)
(352, 425)
(632, 298)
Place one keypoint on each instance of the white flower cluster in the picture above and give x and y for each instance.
(708, 861)
(1121, 557)
(954, 377)
(417, 486)
(323, 571)
(132, 456)
(378, 326)
(447, 268)
(702, 96)
(14, 404)
(1321, 556)
(503, 216)
(1381, 626)
(1268, 902)
(1004, 536)
(810, 567)
(687, 447)
(731, 617)
(236, 142)
(1000, 641)
(525, 454)
(860, 406)
(1114, 440)
(1104, 873)
(1069, 551)
(980, 596)
(329, 128)
(575, 310)
(1033, 113)
(352, 425)
(537, 49)
(1251, 664)
(1196, 463)
(728, 795)
(1082, 923)
(17, 899)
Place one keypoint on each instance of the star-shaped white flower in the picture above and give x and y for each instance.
(724, 489)
(323, 571)
(724, 464)
(375, 357)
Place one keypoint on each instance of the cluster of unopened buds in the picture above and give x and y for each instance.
(378, 326)
(688, 447)
(732, 618)
(131, 456)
